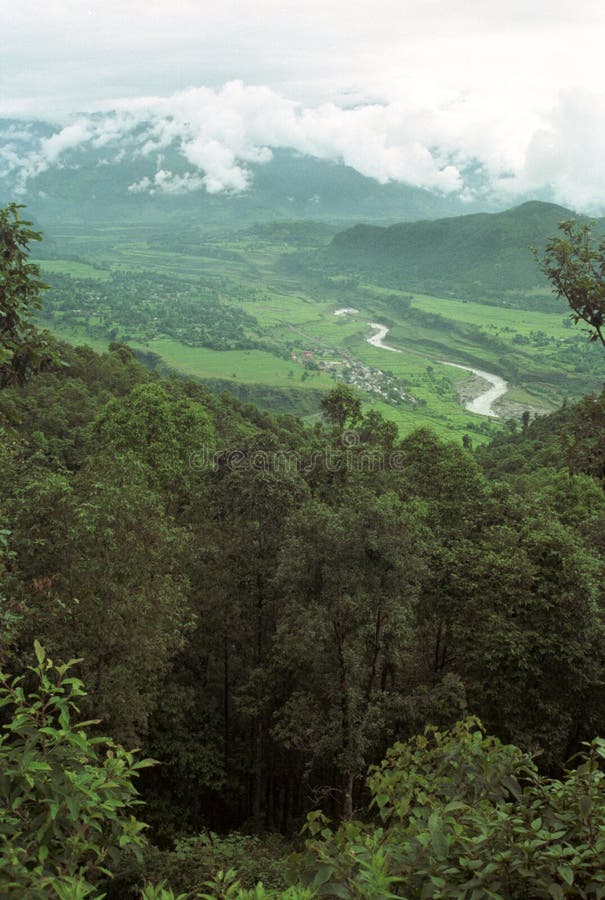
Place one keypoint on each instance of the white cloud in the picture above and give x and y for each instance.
(401, 91)
(567, 153)
(217, 134)
(165, 182)
(54, 147)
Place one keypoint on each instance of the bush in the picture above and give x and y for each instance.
(461, 815)
(66, 798)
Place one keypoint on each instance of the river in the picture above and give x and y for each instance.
(483, 404)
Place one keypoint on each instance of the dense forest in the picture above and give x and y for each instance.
(268, 611)
(484, 255)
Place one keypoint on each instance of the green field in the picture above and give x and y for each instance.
(542, 358)
(248, 366)
(73, 268)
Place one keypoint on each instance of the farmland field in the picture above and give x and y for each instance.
(223, 308)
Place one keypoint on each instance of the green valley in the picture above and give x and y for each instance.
(253, 311)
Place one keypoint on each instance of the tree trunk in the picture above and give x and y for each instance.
(347, 797)
(226, 734)
(257, 798)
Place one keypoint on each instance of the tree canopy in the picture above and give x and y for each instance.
(574, 262)
(23, 349)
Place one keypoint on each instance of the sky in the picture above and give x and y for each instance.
(424, 92)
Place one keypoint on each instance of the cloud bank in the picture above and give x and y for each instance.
(457, 146)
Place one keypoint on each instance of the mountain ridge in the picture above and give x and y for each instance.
(470, 254)
(88, 182)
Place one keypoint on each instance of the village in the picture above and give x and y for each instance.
(366, 378)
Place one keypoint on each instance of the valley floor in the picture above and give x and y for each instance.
(278, 342)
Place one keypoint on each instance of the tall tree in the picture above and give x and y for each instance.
(350, 577)
(168, 434)
(101, 571)
(23, 349)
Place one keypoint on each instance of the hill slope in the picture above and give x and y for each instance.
(481, 254)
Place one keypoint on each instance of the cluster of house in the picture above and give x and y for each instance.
(373, 381)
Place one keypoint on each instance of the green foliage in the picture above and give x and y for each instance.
(196, 860)
(166, 433)
(179, 303)
(236, 866)
(460, 815)
(161, 892)
(584, 438)
(269, 625)
(11, 612)
(342, 406)
(145, 306)
(482, 256)
(23, 349)
(66, 798)
(226, 886)
(575, 266)
(350, 577)
(104, 582)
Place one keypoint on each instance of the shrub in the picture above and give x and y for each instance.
(66, 798)
(461, 815)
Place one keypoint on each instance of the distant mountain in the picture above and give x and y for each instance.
(87, 183)
(481, 254)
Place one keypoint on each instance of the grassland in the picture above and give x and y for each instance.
(72, 268)
(543, 359)
(247, 366)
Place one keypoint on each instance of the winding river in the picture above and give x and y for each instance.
(482, 405)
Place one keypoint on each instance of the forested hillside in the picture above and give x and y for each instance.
(265, 608)
(485, 255)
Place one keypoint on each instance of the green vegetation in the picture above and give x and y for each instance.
(480, 257)
(576, 268)
(23, 349)
(272, 609)
(460, 815)
(66, 798)
(239, 311)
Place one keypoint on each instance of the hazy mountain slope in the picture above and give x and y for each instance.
(95, 183)
(485, 252)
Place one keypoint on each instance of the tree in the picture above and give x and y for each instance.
(583, 437)
(341, 406)
(575, 266)
(101, 571)
(520, 597)
(166, 433)
(23, 349)
(66, 798)
(349, 577)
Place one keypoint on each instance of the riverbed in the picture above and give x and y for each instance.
(481, 405)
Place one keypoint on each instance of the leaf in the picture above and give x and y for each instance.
(511, 783)
(39, 651)
(438, 838)
(341, 891)
(145, 763)
(323, 874)
(566, 874)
